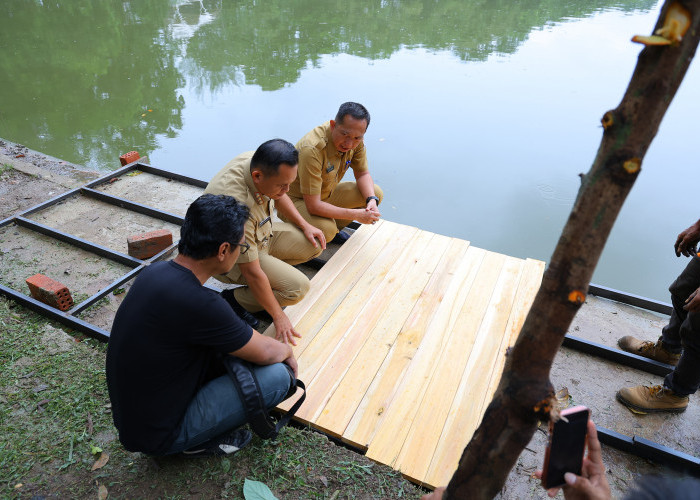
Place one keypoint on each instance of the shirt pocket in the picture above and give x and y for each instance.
(263, 231)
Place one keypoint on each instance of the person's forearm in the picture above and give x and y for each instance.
(323, 209)
(286, 207)
(365, 185)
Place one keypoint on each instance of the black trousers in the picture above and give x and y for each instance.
(683, 332)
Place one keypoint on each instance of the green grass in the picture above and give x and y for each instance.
(4, 167)
(54, 407)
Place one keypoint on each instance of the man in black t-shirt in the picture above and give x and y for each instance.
(166, 339)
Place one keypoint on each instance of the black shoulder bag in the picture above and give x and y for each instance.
(260, 421)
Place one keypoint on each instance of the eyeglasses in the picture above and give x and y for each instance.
(244, 247)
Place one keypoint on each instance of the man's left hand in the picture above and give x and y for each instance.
(372, 206)
(692, 303)
(312, 234)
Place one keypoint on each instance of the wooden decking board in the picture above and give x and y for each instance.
(404, 339)
(393, 357)
(369, 316)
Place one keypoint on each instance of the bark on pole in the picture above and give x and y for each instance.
(525, 394)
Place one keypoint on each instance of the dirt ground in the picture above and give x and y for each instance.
(589, 381)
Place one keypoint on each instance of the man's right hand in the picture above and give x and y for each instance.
(365, 216)
(285, 332)
(686, 241)
(291, 361)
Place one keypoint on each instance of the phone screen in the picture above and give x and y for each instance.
(567, 443)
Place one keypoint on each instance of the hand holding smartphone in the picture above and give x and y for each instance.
(566, 446)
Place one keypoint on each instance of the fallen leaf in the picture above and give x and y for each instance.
(101, 462)
(102, 492)
(255, 490)
(324, 480)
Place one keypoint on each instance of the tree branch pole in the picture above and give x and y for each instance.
(525, 394)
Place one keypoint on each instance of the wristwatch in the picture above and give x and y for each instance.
(371, 198)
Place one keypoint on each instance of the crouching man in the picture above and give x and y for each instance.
(166, 382)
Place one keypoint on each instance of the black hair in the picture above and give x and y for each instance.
(354, 109)
(664, 488)
(210, 221)
(273, 153)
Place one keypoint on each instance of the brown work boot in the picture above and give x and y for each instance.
(651, 350)
(644, 399)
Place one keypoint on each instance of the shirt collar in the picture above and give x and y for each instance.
(257, 195)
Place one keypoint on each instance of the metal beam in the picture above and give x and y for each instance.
(133, 206)
(172, 175)
(77, 309)
(53, 313)
(617, 356)
(644, 448)
(631, 299)
(108, 253)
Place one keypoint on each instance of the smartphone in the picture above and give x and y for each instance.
(567, 443)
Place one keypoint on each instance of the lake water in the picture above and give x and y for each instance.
(483, 113)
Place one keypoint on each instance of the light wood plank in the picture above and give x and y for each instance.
(387, 404)
(390, 354)
(469, 403)
(336, 320)
(448, 366)
(341, 261)
(380, 319)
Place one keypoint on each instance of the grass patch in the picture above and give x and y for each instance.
(4, 167)
(54, 407)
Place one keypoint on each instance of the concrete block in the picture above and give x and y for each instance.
(50, 292)
(129, 157)
(146, 245)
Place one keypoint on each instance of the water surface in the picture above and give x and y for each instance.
(483, 113)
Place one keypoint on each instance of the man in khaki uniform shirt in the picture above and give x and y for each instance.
(258, 180)
(325, 154)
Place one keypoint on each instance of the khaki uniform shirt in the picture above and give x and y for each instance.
(235, 180)
(322, 166)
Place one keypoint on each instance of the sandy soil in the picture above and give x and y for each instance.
(590, 381)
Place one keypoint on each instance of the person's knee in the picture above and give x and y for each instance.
(275, 382)
(295, 290)
(328, 227)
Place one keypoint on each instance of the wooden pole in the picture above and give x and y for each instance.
(525, 394)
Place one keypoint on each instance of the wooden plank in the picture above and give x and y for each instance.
(390, 354)
(449, 366)
(337, 290)
(380, 318)
(468, 405)
(472, 353)
(313, 352)
(388, 402)
(338, 264)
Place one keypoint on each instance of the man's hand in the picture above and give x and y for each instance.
(291, 361)
(686, 241)
(372, 206)
(592, 483)
(692, 303)
(366, 216)
(285, 330)
(312, 234)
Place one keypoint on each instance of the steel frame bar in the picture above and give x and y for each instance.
(77, 309)
(617, 356)
(53, 313)
(644, 448)
(108, 253)
(133, 206)
(631, 299)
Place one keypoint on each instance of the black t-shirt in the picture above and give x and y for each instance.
(165, 335)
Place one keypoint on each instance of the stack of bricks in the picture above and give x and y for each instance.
(146, 245)
(50, 292)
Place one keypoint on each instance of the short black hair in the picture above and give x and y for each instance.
(273, 153)
(354, 109)
(210, 221)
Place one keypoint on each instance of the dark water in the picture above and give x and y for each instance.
(483, 112)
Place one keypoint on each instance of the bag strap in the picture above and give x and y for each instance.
(246, 384)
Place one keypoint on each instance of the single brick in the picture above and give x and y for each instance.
(146, 245)
(50, 292)
(129, 157)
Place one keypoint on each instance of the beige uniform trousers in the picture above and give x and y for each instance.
(287, 248)
(345, 195)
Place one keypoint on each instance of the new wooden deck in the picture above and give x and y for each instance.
(404, 339)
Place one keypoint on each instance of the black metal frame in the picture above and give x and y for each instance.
(69, 318)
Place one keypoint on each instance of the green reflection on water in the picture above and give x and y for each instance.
(79, 80)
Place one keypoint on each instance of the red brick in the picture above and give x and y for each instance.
(146, 245)
(50, 292)
(129, 157)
